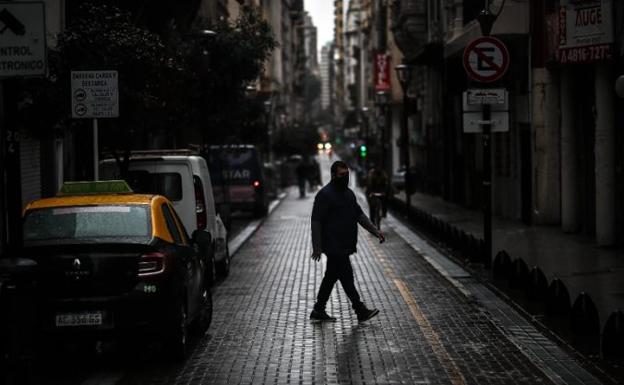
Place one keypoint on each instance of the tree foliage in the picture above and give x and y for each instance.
(170, 80)
(237, 56)
(104, 38)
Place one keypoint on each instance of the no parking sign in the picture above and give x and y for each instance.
(486, 59)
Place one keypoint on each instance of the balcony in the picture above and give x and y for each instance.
(416, 35)
(462, 25)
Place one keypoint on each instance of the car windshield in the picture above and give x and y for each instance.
(235, 166)
(88, 224)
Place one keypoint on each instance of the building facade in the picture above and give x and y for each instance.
(281, 82)
(557, 163)
(338, 81)
(326, 76)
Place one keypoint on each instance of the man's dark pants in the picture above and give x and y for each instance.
(338, 269)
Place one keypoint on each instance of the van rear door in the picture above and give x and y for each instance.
(173, 179)
(237, 170)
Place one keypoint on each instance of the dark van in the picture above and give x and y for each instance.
(237, 177)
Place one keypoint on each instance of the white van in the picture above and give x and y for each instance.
(184, 179)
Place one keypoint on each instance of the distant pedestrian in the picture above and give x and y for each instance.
(314, 175)
(377, 182)
(302, 171)
(335, 217)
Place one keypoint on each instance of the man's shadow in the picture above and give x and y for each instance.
(347, 349)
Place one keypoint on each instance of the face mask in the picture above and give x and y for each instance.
(342, 182)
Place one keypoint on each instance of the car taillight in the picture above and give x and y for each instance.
(256, 184)
(200, 206)
(152, 264)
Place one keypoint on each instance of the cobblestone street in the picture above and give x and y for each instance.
(428, 331)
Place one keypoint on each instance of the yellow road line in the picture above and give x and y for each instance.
(430, 334)
(433, 339)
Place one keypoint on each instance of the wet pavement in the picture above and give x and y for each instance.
(437, 324)
(574, 259)
(429, 330)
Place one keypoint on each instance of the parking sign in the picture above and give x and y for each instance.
(486, 59)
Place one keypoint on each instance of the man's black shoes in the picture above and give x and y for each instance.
(363, 314)
(321, 315)
(366, 314)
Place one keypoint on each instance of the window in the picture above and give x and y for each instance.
(183, 233)
(171, 225)
(84, 224)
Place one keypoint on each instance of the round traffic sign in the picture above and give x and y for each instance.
(80, 109)
(80, 95)
(486, 59)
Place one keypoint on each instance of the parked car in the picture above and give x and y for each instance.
(184, 179)
(114, 263)
(238, 177)
(398, 178)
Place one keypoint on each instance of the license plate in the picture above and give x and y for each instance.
(79, 319)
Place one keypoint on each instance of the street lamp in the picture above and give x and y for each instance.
(205, 33)
(404, 74)
(381, 101)
(202, 40)
(206, 36)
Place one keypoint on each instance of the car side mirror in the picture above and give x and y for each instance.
(201, 237)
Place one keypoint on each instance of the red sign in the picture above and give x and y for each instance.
(382, 72)
(486, 59)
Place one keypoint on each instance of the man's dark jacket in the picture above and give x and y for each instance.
(337, 211)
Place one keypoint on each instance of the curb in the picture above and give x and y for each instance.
(237, 242)
(452, 272)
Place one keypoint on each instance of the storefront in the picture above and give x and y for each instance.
(586, 54)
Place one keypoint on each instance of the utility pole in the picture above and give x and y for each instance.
(495, 66)
(11, 178)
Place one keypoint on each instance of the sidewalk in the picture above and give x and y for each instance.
(575, 260)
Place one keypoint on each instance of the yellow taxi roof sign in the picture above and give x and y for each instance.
(95, 187)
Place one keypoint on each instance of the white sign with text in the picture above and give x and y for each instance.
(95, 94)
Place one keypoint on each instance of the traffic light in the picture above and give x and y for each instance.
(363, 151)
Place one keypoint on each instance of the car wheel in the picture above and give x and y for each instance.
(211, 269)
(223, 266)
(204, 317)
(261, 211)
(227, 222)
(176, 339)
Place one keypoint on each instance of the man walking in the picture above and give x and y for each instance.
(335, 217)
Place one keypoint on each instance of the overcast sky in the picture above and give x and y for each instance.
(322, 12)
